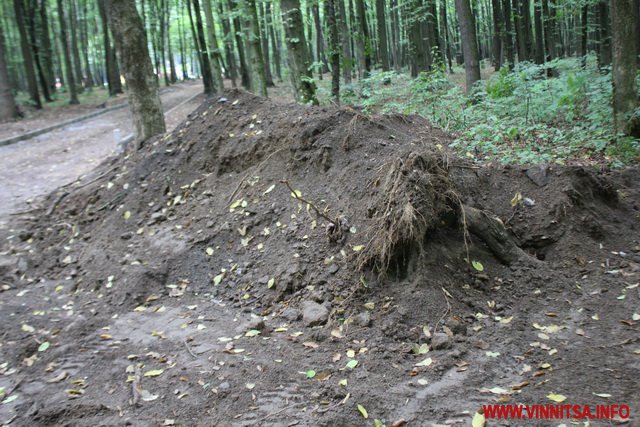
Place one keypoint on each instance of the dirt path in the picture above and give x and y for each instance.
(35, 167)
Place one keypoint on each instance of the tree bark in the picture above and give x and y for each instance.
(275, 41)
(30, 18)
(8, 109)
(201, 46)
(498, 29)
(47, 51)
(382, 34)
(142, 87)
(604, 34)
(549, 12)
(539, 36)
(364, 42)
(264, 36)
(469, 43)
(75, 51)
(252, 31)
(347, 60)
(68, 65)
(214, 50)
(113, 73)
(334, 50)
(27, 56)
(625, 91)
(322, 58)
(232, 71)
(507, 40)
(584, 34)
(297, 53)
(244, 71)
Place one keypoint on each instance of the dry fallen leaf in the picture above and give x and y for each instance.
(559, 398)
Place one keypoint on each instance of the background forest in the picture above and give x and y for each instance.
(516, 80)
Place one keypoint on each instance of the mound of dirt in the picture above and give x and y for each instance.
(234, 269)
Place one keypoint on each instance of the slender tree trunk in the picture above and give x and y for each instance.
(68, 66)
(334, 49)
(252, 31)
(548, 10)
(498, 36)
(84, 43)
(604, 36)
(207, 77)
(8, 109)
(469, 43)
(507, 40)
(584, 34)
(322, 58)
(172, 62)
(299, 59)
(625, 91)
(232, 72)
(113, 73)
(539, 36)
(445, 31)
(31, 14)
(46, 51)
(244, 71)
(183, 54)
(275, 45)
(27, 56)
(214, 50)
(142, 87)
(347, 60)
(264, 36)
(75, 51)
(382, 34)
(363, 35)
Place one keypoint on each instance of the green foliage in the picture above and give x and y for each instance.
(556, 112)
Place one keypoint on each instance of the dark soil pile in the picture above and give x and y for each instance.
(252, 254)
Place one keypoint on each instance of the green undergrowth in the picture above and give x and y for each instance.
(556, 112)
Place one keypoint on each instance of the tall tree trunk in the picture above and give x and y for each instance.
(363, 35)
(549, 12)
(539, 36)
(469, 43)
(30, 18)
(8, 108)
(84, 43)
(172, 62)
(299, 59)
(584, 34)
(604, 34)
(46, 52)
(232, 71)
(113, 73)
(142, 87)
(347, 60)
(207, 77)
(161, 41)
(498, 36)
(75, 51)
(444, 29)
(183, 54)
(252, 31)
(382, 34)
(322, 58)
(68, 66)
(275, 45)
(334, 49)
(264, 36)
(214, 50)
(507, 40)
(27, 56)
(525, 16)
(244, 71)
(625, 91)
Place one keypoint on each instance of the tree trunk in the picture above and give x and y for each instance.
(214, 50)
(445, 30)
(172, 62)
(142, 88)
(334, 50)
(8, 108)
(539, 36)
(347, 61)
(322, 58)
(298, 55)
(244, 71)
(498, 36)
(264, 36)
(113, 74)
(84, 42)
(26, 54)
(604, 35)
(207, 77)
(275, 41)
(507, 40)
(525, 15)
(549, 12)
(469, 43)
(625, 91)
(252, 31)
(232, 71)
(382, 34)
(584, 34)
(46, 51)
(75, 51)
(362, 35)
(30, 20)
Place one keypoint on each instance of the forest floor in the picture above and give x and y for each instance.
(273, 264)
